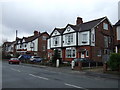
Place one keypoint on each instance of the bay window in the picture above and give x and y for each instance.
(70, 52)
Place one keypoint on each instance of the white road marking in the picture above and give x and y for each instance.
(15, 70)
(75, 86)
(39, 77)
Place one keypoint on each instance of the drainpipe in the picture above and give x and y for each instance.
(90, 45)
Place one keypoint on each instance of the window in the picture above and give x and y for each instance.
(44, 37)
(60, 53)
(25, 45)
(31, 45)
(105, 26)
(70, 52)
(20, 46)
(87, 53)
(99, 53)
(69, 38)
(106, 41)
(93, 37)
(68, 29)
(110, 40)
(55, 32)
(106, 52)
(55, 41)
(43, 48)
(84, 38)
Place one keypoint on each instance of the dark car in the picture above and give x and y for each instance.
(85, 61)
(14, 61)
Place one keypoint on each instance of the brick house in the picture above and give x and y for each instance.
(92, 39)
(34, 45)
(117, 37)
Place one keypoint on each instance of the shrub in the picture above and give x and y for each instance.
(55, 56)
(114, 61)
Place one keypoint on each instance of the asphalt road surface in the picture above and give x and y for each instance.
(21, 76)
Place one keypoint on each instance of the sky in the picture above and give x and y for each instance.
(44, 15)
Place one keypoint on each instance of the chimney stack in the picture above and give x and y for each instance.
(36, 33)
(79, 20)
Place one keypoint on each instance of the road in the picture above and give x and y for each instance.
(21, 76)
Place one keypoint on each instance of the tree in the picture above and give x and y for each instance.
(114, 61)
(55, 56)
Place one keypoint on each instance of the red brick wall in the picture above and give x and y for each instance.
(42, 52)
(99, 40)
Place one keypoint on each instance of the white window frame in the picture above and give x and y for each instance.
(55, 39)
(70, 53)
(93, 37)
(84, 38)
(105, 26)
(69, 38)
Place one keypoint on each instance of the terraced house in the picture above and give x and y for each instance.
(92, 39)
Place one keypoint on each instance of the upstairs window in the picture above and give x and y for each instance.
(31, 45)
(106, 41)
(105, 26)
(68, 28)
(44, 37)
(25, 45)
(69, 38)
(84, 38)
(55, 41)
(93, 37)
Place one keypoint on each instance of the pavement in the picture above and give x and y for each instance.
(83, 72)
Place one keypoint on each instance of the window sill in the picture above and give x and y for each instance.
(99, 55)
(70, 57)
(84, 41)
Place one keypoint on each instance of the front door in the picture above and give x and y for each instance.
(82, 54)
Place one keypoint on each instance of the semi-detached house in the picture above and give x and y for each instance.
(117, 36)
(93, 40)
(33, 45)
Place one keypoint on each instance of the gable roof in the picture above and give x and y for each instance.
(9, 43)
(87, 25)
(31, 38)
(60, 30)
(118, 23)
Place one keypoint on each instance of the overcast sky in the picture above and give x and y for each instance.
(44, 15)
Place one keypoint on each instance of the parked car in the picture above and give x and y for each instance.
(14, 61)
(36, 59)
(85, 61)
